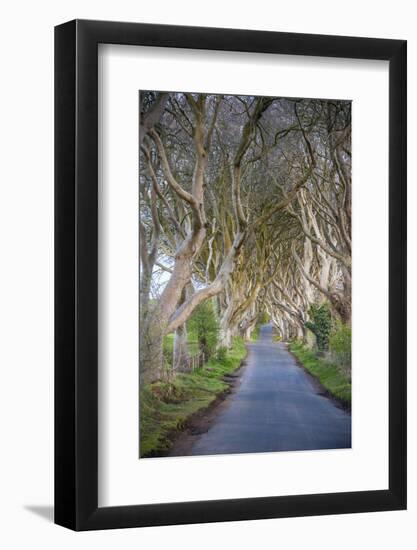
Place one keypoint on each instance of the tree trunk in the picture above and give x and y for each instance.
(180, 355)
(225, 338)
(284, 330)
(347, 294)
(248, 333)
(225, 332)
(151, 357)
(300, 332)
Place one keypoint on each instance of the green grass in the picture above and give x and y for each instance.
(166, 407)
(255, 333)
(329, 375)
(192, 344)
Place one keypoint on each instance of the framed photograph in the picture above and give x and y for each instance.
(230, 285)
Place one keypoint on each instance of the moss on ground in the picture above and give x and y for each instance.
(165, 407)
(328, 374)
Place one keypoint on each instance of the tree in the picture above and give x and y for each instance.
(245, 204)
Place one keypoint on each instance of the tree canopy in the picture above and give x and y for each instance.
(244, 201)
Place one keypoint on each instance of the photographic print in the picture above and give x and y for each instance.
(245, 274)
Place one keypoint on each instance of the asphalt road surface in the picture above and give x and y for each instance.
(277, 407)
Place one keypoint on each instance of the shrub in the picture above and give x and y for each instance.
(204, 324)
(340, 345)
(168, 347)
(320, 324)
(255, 333)
(221, 354)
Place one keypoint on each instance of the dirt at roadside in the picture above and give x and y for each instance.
(201, 421)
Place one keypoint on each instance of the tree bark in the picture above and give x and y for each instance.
(180, 355)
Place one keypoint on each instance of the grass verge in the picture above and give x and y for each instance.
(165, 407)
(328, 374)
(255, 334)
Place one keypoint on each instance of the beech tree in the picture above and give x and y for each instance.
(244, 201)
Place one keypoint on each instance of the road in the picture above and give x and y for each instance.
(276, 407)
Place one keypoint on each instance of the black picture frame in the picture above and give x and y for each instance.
(76, 272)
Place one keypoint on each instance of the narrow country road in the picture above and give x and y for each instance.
(277, 407)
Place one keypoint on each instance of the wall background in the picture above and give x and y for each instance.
(26, 272)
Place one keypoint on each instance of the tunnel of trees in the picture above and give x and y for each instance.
(245, 215)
